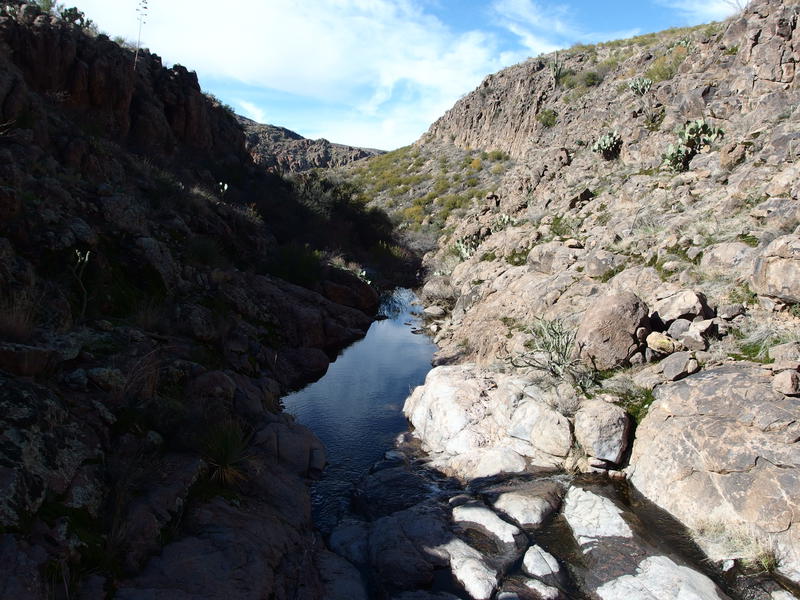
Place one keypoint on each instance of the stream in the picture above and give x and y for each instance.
(356, 410)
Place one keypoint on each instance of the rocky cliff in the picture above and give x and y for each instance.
(158, 294)
(626, 302)
(283, 151)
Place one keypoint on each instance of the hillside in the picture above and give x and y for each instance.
(280, 150)
(611, 239)
(641, 246)
(159, 293)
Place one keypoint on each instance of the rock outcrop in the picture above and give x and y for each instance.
(724, 440)
(148, 331)
(283, 151)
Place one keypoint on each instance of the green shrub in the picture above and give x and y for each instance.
(608, 145)
(591, 78)
(547, 117)
(517, 258)
(665, 67)
(636, 402)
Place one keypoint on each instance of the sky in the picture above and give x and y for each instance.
(372, 73)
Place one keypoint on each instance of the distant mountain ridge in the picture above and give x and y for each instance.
(283, 150)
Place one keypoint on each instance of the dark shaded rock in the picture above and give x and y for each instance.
(389, 490)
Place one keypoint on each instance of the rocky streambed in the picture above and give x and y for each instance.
(485, 498)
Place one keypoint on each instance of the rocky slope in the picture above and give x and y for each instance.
(283, 151)
(149, 326)
(628, 304)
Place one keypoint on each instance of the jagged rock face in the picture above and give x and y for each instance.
(725, 441)
(150, 450)
(502, 111)
(710, 251)
(284, 151)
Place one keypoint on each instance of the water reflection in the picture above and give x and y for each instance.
(355, 409)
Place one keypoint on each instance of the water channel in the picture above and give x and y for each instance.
(356, 408)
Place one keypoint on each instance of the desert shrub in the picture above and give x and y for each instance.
(517, 258)
(465, 247)
(591, 78)
(299, 264)
(608, 145)
(665, 67)
(547, 117)
(498, 155)
(205, 252)
(17, 316)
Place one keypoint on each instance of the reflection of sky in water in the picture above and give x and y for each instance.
(355, 409)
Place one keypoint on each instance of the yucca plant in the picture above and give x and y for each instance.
(226, 450)
(551, 350)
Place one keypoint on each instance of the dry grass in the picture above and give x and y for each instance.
(720, 541)
(142, 378)
(18, 316)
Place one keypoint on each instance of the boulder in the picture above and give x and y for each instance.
(607, 335)
(478, 423)
(679, 365)
(341, 580)
(530, 505)
(473, 514)
(787, 383)
(542, 565)
(776, 272)
(686, 304)
(729, 258)
(723, 439)
(663, 344)
(602, 428)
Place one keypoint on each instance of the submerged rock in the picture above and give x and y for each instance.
(618, 564)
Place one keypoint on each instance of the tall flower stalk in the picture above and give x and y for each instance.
(141, 12)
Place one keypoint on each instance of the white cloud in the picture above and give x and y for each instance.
(538, 29)
(252, 111)
(358, 53)
(387, 66)
(709, 10)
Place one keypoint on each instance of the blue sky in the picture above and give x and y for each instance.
(372, 73)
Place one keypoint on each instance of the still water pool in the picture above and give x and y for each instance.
(356, 408)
